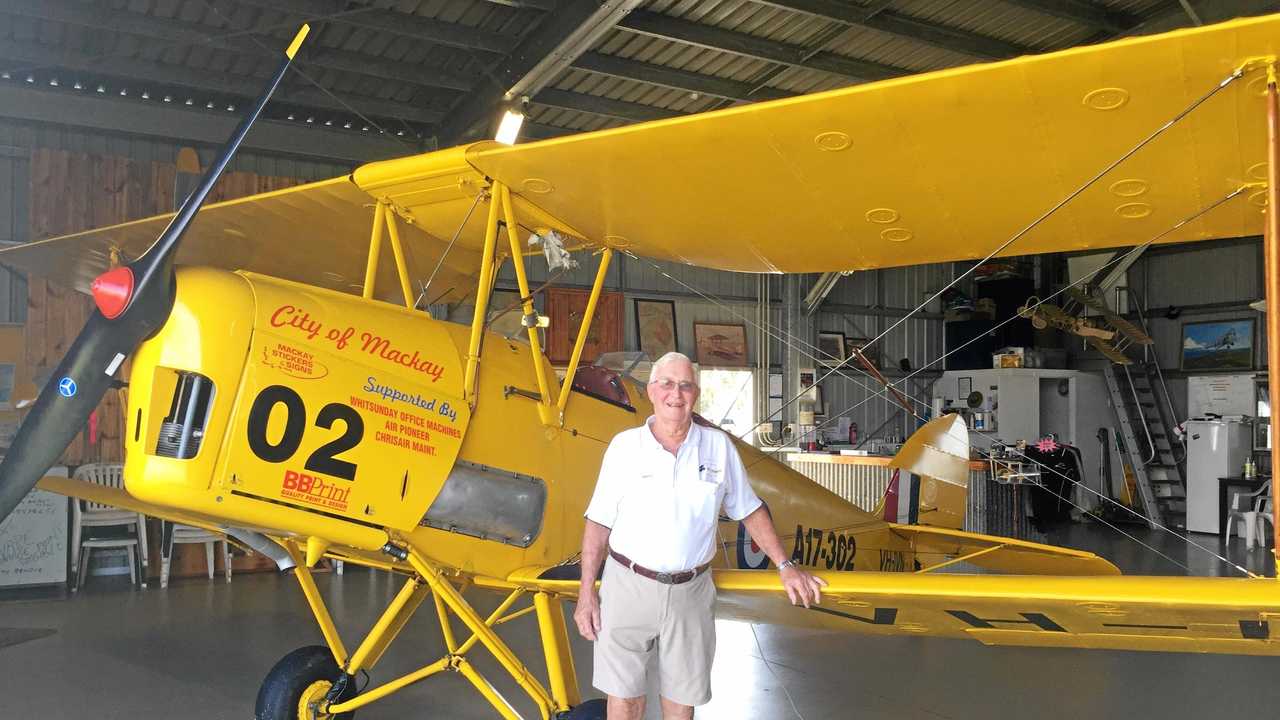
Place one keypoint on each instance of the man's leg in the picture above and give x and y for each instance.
(630, 708)
(672, 710)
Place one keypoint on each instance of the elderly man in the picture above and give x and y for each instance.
(661, 489)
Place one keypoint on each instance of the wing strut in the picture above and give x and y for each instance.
(384, 216)
(1271, 236)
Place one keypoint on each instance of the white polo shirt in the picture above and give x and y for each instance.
(662, 509)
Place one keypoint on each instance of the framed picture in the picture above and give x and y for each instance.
(656, 327)
(723, 345)
(831, 349)
(1218, 345)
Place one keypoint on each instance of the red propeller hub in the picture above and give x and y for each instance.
(112, 291)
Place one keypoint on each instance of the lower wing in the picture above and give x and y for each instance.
(1167, 614)
(118, 497)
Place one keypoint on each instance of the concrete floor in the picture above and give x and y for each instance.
(199, 650)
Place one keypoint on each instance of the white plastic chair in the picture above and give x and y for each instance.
(1247, 508)
(187, 535)
(1263, 516)
(86, 514)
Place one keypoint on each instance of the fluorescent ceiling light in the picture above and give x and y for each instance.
(509, 128)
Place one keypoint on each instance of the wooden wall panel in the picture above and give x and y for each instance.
(566, 308)
(71, 192)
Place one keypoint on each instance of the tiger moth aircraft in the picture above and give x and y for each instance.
(284, 389)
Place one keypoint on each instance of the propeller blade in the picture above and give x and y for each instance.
(87, 371)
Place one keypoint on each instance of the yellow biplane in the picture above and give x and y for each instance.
(308, 413)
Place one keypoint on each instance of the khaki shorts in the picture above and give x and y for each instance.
(639, 618)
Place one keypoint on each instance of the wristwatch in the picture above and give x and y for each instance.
(786, 564)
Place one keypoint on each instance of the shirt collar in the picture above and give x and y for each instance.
(651, 440)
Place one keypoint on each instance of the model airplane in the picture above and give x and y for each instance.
(1098, 333)
(284, 389)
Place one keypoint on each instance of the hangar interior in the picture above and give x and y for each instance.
(111, 111)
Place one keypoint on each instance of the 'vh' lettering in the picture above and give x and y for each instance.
(1040, 620)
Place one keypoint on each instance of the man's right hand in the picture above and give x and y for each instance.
(587, 615)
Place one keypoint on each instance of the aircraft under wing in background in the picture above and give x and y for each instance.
(274, 398)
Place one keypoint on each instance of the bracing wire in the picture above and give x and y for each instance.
(1235, 75)
(879, 392)
(1137, 249)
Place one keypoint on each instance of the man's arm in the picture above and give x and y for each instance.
(595, 541)
(800, 585)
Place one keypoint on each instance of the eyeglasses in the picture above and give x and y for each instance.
(667, 385)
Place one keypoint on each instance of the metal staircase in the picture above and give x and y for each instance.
(1145, 423)
(1144, 420)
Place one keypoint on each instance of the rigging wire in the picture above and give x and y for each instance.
(1137, 249)
(877, 392)
(1235, 75)
(456, 234)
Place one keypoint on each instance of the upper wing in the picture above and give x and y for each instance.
(928, 168)
(1170, 614)
(316, 233)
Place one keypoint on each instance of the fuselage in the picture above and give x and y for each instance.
(300, 412)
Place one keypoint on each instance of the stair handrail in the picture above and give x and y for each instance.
(1164, 388)
(1146, 429)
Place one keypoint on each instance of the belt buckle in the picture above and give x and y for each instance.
(663, 577)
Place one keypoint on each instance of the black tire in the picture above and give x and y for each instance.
(589, 710)
(283, 687)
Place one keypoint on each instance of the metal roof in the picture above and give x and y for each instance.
(438, 71)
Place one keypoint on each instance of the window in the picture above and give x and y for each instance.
(728, 399)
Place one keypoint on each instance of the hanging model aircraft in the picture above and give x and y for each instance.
(277, 395)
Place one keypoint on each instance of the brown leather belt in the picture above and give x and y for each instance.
(666, 578)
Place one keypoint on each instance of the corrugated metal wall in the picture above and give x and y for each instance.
(1205, 281)
(15, 165)
(887, 295)
(863, 304)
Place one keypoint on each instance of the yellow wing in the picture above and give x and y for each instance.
(316, 233)
(928, 168)
(118, 497)
(1212, 615)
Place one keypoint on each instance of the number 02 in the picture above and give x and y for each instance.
(325, 458)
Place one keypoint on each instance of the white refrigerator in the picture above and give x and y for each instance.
(1215, 449)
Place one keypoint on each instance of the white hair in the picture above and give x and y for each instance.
(669, 358)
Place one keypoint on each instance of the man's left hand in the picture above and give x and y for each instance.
(801, 586)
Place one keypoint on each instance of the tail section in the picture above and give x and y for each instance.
(930, 484)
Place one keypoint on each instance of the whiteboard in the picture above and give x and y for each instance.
(33, 539)
(1221, 395)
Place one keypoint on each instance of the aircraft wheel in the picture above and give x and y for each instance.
(589, 710)
(297, 683)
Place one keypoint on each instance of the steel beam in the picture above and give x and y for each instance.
(184, 33)
(140, 73)
(182, 125)
(675, 79)
(569, 19)
(714, 38)
(395, 23)
(620, 109)
(1083, 12)
(907, 27)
